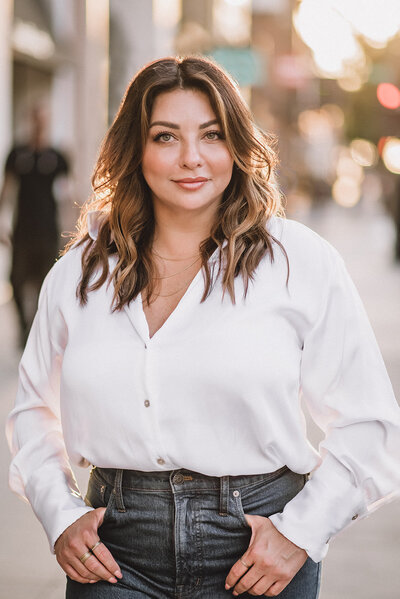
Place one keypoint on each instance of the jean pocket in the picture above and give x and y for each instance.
(109, 504)
(100, 494)
(268, 496)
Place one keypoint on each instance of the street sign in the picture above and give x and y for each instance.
(243, 63)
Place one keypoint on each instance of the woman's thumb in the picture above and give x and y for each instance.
(100, 511)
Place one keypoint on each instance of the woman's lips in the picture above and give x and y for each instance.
(191, 184)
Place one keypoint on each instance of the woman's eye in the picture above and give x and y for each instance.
(167, 137)
(163, 137)
(212, 135)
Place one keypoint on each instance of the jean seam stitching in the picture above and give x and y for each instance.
(239, 505)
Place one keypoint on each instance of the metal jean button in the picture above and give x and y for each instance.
(178, 479)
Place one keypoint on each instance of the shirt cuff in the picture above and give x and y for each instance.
(65, 519)
(57, 506)
(329, 502)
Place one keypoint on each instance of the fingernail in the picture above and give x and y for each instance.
(112, 579)
(227, 586)
(118, 574)
(235, 593)
(92, 581)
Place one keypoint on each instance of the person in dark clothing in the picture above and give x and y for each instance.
(35, 234)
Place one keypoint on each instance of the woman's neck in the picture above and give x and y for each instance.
(176, 238)
(173, 243)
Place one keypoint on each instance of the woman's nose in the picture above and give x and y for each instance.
(191, 156)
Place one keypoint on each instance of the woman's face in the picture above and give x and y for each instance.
(186, 162)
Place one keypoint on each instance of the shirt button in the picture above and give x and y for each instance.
(355, 517)
(160, 461)
(146, 403)
(178, 479)
(236, 493)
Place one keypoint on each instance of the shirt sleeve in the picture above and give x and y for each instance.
(349, 395)
(40, 471)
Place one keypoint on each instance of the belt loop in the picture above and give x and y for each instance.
(119, 502)
(224, 496)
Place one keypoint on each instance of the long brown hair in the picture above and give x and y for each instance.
(122, 194)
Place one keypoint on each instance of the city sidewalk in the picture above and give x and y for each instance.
(363, 562)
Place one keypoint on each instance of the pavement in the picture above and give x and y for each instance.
(363, 561)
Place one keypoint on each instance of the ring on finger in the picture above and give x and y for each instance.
(94, 546)
(85, 556)
(244, 563)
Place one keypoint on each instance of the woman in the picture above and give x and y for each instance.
(170, 345)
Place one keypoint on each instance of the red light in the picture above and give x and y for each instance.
(388, 95)
(381, 144)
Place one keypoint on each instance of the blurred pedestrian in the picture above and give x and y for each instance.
(171, 344)
(33, 167)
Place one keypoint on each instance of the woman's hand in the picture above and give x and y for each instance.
(76, 541)
(271, 558)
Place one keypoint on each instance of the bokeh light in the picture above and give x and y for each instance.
(347, 167)
(388, 95)
(314, 124)
(381, 144)
(32, 41)
(391, 155)
(346, 192)
(376, 20)
(334, 114)
(321, 26)
(232, 21)
(352, 83)
(363, 152)
(333, 28)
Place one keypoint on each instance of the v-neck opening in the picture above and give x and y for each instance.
(177, 308)
(138, 319)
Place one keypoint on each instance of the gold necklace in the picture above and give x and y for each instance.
(172, 259)
(178, 273)
(174, 292)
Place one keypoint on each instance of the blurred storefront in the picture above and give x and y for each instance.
(57, 55)
(76, 57)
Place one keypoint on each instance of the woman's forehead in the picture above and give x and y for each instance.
(180, 105)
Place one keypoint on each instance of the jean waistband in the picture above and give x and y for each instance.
(179, 480)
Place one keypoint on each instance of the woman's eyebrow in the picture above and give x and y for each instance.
(164, 124)
(175, 126)
(208, 123)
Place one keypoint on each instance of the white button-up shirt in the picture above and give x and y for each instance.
(215, 390)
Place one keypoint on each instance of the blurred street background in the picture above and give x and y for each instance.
(323, 75)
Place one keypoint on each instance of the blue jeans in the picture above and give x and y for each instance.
(177, 534)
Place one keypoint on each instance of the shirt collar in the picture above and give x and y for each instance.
(93, 219)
